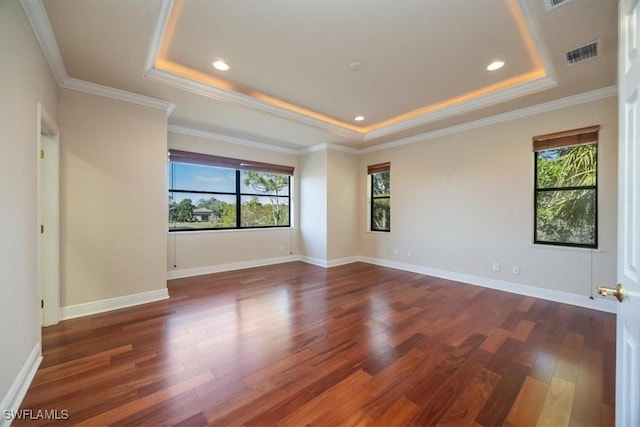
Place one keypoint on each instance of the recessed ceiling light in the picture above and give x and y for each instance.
(495, 65)
(220, 65)
(358, 118)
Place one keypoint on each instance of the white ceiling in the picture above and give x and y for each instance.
(290, 82)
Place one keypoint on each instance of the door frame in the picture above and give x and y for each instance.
(48, 215)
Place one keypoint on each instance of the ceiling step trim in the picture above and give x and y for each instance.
(475, 104)
(570, 101)
(246, 101)
(205, 89)
(158, 34)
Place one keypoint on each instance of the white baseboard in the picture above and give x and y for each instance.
(329, 263)
(94, 307)
(516, 288)
(13, 399)
(314, 261)
(341, 261)
(199, 271)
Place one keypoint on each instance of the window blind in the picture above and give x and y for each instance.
(566, 138)
(380, 167)
(188, 157)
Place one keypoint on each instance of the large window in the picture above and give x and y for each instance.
(380, 197)
(211, 193)
(566, 191)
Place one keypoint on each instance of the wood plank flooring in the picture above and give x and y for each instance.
(294, 344)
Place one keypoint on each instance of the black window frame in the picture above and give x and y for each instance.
(542, 143)
(371, 171)
(237, 194)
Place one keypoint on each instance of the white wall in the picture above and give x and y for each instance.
(463, 201)
(313, 204)
(197, 251)
(113, 198)
(25, 80)
(343, 176)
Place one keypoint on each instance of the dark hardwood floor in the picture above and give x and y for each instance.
(294, 344)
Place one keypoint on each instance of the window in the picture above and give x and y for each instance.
(566, 191)
(380, 198)
(212, 193)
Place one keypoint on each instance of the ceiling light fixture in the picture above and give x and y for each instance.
(356, 65)
(220, 65)
(358, 118)
(495, 65)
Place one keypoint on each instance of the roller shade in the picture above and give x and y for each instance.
(188, 157)
(580, 136)
(380, 167)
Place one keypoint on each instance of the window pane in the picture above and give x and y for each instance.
(260, 211)
(381, 215)
(189, 211)
(264, 183)
(573, 166)
(201, 178)
(380, 184)
(566, 216)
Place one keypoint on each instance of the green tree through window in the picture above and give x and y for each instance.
(272, 185)
(211, 192)
(380, 197)
(566, 196)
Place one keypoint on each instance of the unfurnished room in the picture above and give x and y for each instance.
(340, 213)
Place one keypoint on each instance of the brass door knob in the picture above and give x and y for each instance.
(617, 292)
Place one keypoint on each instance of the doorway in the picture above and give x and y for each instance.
(48, 216)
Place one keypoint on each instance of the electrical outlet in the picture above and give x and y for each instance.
(516, 269)
(409, 254)
(281, 248)
(396, 252)
(495, 266)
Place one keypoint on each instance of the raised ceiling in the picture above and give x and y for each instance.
(291, 84)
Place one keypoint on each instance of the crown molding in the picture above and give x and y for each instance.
(121, 95)
(39, 21)
(342, 148)
(335, 147)
(594, 95)
(229, 139)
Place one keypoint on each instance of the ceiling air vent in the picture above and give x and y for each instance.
(583, 53)
(553, 4)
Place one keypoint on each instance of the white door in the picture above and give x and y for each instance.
(628, 320)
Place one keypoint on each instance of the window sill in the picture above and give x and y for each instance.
(229, 230)
(565, 248)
